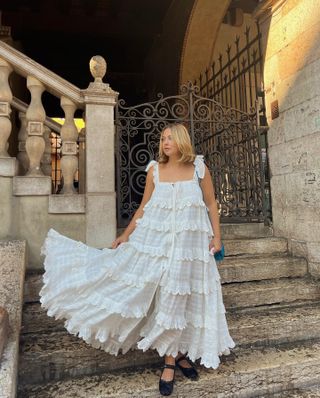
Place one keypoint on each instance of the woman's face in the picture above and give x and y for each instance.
(169, 146)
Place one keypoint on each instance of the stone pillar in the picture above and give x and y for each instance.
(100, 100)
(5, 109)
(46, 158)
(35, 121)
(34, 182)
(8, 165)
(22, 137)
(82, 161)
(69, 135)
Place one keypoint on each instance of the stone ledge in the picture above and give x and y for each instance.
(31, 186)
(62, 204)
(247, 373)
(8, 167)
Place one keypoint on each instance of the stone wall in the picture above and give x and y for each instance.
(13, 257)
(28, 218)
(292, 69)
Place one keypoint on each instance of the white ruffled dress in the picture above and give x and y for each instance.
(160, 290)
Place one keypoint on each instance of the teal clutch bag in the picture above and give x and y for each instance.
(219, 256)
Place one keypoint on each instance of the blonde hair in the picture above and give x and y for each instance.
(181, 137)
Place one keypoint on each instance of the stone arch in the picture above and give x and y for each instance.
(200, 37)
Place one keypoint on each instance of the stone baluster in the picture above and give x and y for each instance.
(82, 161)
(69, 136)
(46, 158)
(35, 115)
(22, 137)
(5, 109)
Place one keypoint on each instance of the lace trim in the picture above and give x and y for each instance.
(185, 254)
(165, 227)
(151, 163)
(155, 165)
(100, 303)
(200, 166)
(208, 350)
(164, 320)
(180, 205)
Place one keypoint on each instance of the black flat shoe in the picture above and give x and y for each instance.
(166, 387)
(190, 373)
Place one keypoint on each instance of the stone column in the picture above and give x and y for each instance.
(8, 165)
(22, 137)
(69, 135)
(82, 161)
(46, 158)
(35, 115)
(5, 109)
(100, 100)
(34, 182)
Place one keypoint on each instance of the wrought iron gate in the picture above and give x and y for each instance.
(228, 139)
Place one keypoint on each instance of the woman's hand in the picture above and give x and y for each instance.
(216, 244)
(122, 238)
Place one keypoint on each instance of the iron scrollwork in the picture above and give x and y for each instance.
(227, 137)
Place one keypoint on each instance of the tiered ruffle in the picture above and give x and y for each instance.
(142, 293)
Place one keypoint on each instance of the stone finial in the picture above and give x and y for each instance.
(98, 68)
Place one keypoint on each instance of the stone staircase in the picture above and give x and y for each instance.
(273, 315)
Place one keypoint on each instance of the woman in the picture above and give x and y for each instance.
(158, 287)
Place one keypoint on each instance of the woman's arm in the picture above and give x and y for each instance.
(211, 203)
(148, 189)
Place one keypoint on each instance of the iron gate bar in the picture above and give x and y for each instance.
(228, 138)
(228, 82)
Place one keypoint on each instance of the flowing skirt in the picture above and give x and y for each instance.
(118, 299)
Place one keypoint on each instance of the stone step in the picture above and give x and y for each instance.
(232, 269)
(244, 269)
(244, 246)
(283, 290)
(245, 373)
(303, 392)
(36, 320)
(60, 355)
(235, 295)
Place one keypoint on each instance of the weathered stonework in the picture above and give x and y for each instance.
(292, 66)
(12, 270)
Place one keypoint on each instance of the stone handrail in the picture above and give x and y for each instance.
(91, 155)
(22, 107)
(54, 84)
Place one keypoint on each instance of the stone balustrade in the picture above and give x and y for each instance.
(69, 135)
(35, 116)
(88, 155)
(22, 138)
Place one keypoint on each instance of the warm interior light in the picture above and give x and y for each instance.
(77, 121)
